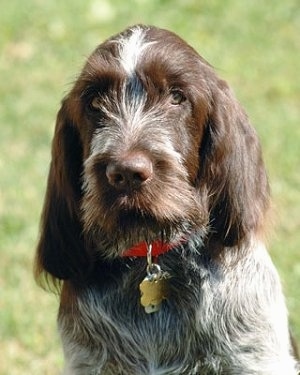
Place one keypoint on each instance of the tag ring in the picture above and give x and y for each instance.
(153, 269)
(149, 255)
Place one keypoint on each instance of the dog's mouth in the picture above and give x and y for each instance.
(142, 212)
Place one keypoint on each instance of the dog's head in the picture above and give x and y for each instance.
(149, 144)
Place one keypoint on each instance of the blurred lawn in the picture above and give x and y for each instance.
(254, 45)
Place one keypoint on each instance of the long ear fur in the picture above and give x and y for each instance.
(232, 171)
(60, 251)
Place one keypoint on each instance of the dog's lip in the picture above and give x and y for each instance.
(130, 191)
(131, 202)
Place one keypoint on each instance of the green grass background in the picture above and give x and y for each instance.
(253, 44)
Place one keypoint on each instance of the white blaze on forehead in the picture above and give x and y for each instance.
(131, 48)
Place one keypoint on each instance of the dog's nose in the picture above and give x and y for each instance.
(130, 172)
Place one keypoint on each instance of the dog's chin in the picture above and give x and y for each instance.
(131, 227)
(117, 222)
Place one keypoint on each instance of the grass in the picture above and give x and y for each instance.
(254, 45)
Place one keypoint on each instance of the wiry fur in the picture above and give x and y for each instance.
(145, 94)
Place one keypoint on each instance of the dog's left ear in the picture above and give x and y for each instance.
(232, 170)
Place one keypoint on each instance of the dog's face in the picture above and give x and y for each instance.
(149, 144)
(145, 127)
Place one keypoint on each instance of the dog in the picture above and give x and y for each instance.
(153, 228)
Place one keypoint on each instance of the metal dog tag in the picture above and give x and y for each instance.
(153, 292)
(154, 287)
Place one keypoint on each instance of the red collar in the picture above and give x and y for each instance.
(140, 250)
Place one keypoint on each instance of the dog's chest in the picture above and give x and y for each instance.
(112, 320)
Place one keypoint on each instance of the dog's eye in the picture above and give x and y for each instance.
(95, 104)
(177, 97)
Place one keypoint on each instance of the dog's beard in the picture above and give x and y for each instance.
(133, 229)
(114, 223)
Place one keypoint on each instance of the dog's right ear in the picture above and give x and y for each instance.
(60, 252)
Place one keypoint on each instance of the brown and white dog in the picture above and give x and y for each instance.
(152, 150)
